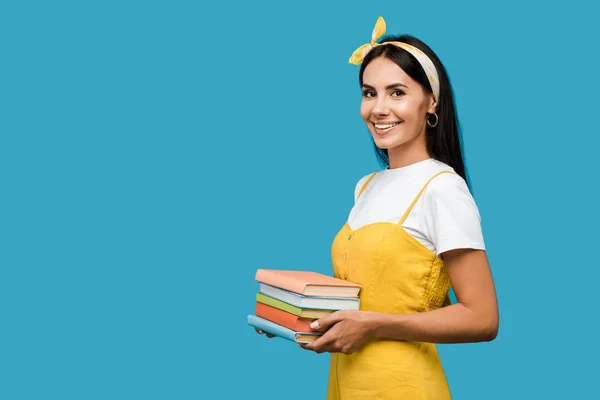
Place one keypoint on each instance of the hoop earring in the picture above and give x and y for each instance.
(436, 120)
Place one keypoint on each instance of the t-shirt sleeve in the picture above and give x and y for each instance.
(359, 186)
(451, 216)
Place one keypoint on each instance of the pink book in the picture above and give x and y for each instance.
(308, 283)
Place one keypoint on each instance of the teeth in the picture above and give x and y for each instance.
(379, 126)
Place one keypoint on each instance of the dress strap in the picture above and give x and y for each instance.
(364, 186)
(419, 195)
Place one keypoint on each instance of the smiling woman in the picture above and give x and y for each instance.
(394, 111)
(414, 232)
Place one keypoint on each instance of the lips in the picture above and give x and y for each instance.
(384, 128)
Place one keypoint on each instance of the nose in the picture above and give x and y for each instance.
(380, 107)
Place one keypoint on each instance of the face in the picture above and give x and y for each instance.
(394, 106)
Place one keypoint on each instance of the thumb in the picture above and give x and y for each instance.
(326, 322)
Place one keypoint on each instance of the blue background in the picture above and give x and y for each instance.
(153, 155)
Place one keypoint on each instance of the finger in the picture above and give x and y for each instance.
(270, 335)
(321, 344)
(259, 331)
(308, 346)
(324, 323)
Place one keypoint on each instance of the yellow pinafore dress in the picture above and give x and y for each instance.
(399, 275)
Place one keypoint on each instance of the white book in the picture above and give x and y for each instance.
(318, 302)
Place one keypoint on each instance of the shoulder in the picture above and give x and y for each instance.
(444, 180)
(361, 182)
(448, 192)
(448, 189)
(447, 185)
(450, 216)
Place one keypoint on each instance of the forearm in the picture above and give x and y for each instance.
(453, 324)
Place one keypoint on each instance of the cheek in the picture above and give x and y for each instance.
(407, 111)
(403, 108)
(365, 110)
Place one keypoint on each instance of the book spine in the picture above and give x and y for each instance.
(271, 278)
(270, 301)
(329, 304)
(312, 313)
(283, 318)
(271, 327)
(304, 302)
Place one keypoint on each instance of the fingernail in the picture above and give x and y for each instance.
(314, 324)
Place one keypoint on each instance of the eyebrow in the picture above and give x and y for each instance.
(388, 87)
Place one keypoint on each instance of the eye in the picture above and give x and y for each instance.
(397, 93)
(368, 93)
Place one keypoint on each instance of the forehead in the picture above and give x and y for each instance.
(382, 72)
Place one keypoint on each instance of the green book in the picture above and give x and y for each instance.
(300, 312)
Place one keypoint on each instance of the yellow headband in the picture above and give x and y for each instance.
(359, 55)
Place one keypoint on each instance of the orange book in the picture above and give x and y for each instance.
(283, 318)
(308, 283)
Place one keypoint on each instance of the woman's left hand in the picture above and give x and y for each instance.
(345, 331)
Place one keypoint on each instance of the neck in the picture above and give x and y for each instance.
(408, 154)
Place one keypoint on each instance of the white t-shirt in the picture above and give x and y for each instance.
(444, 218)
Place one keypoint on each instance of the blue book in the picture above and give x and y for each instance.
(281, 331)
(316, 302)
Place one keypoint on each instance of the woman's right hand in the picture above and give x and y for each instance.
(269, 335)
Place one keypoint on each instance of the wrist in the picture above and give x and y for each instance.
(386, 326)
(375, 324)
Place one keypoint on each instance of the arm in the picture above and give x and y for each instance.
(473, 319)
(451, 221)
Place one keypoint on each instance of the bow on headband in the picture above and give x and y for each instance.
(359, 55)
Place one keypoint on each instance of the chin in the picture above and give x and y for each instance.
(383, 147)
(385, 143)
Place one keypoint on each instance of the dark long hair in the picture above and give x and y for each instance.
(444, 141)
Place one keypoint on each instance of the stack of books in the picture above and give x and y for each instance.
(288, 301)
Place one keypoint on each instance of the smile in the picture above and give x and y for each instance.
(382, 129)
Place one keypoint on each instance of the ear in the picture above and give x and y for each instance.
(432, 105)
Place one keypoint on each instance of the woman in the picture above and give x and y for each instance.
(413, 233)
